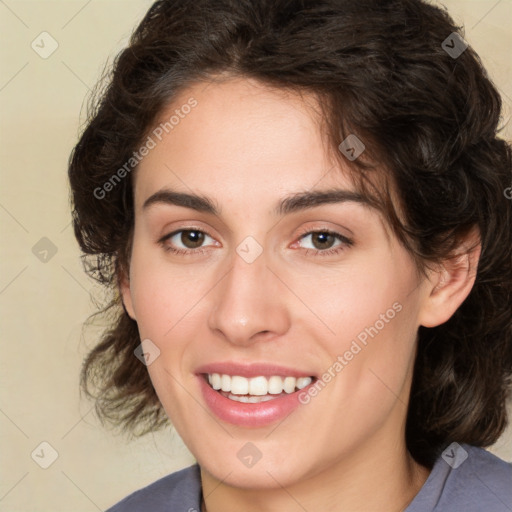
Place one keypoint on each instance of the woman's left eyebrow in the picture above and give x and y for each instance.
(293, 203)
(310, 199)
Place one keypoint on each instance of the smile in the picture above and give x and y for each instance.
(256, 389)
(252, 395)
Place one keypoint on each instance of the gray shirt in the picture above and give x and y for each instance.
(464, 478)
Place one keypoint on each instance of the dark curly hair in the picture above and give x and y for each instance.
(429, 120)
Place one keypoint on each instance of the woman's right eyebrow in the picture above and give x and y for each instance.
(292, 203)
(193, 201)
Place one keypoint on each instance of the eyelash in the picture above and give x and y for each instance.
(346, 242)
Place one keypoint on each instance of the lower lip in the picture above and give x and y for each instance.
(249, 415)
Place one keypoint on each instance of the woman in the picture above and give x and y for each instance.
(300, 209)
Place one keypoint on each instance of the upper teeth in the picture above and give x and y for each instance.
(257, 385)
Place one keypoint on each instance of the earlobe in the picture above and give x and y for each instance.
(126, 296)
(451, 283)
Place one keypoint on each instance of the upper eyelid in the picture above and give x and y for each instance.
(191, 228)
(334, 231)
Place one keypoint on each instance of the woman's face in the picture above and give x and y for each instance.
(264, 284)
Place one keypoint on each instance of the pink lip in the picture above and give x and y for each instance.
(251, 370)
(249, 415)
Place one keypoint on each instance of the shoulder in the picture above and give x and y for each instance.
(466, 478)
(178, 491)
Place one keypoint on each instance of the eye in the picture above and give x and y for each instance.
(322, 242)
(184, 241)
(190, 241)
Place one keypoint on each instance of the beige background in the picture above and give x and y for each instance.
(43, 304)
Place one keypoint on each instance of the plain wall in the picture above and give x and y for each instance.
(44, 303)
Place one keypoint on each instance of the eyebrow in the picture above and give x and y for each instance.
(293, 203)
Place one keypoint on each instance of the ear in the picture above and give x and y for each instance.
(451, 282)
(126, 294)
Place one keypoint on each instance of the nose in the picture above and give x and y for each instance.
(249, 303)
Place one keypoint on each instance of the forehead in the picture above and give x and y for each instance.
(240, 137)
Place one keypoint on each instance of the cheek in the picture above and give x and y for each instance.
(163, 295)
(373, 313)
(167, 303)
(360, 297)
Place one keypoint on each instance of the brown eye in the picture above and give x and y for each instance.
(322, 240)
(186, 241)
(192, 239)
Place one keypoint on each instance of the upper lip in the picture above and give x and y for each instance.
(249, 370)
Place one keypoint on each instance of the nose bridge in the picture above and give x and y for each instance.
(247, 300)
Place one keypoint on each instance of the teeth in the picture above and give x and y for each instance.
(289, 384)
(239, 385)
(275, 385)
(250, 399)
(215, 381)
(225, 383)
(257, 386)
(302, 382)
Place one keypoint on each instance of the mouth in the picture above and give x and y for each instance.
(252, 395)
(257, 389)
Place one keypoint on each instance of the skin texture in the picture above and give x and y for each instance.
(248, 146)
